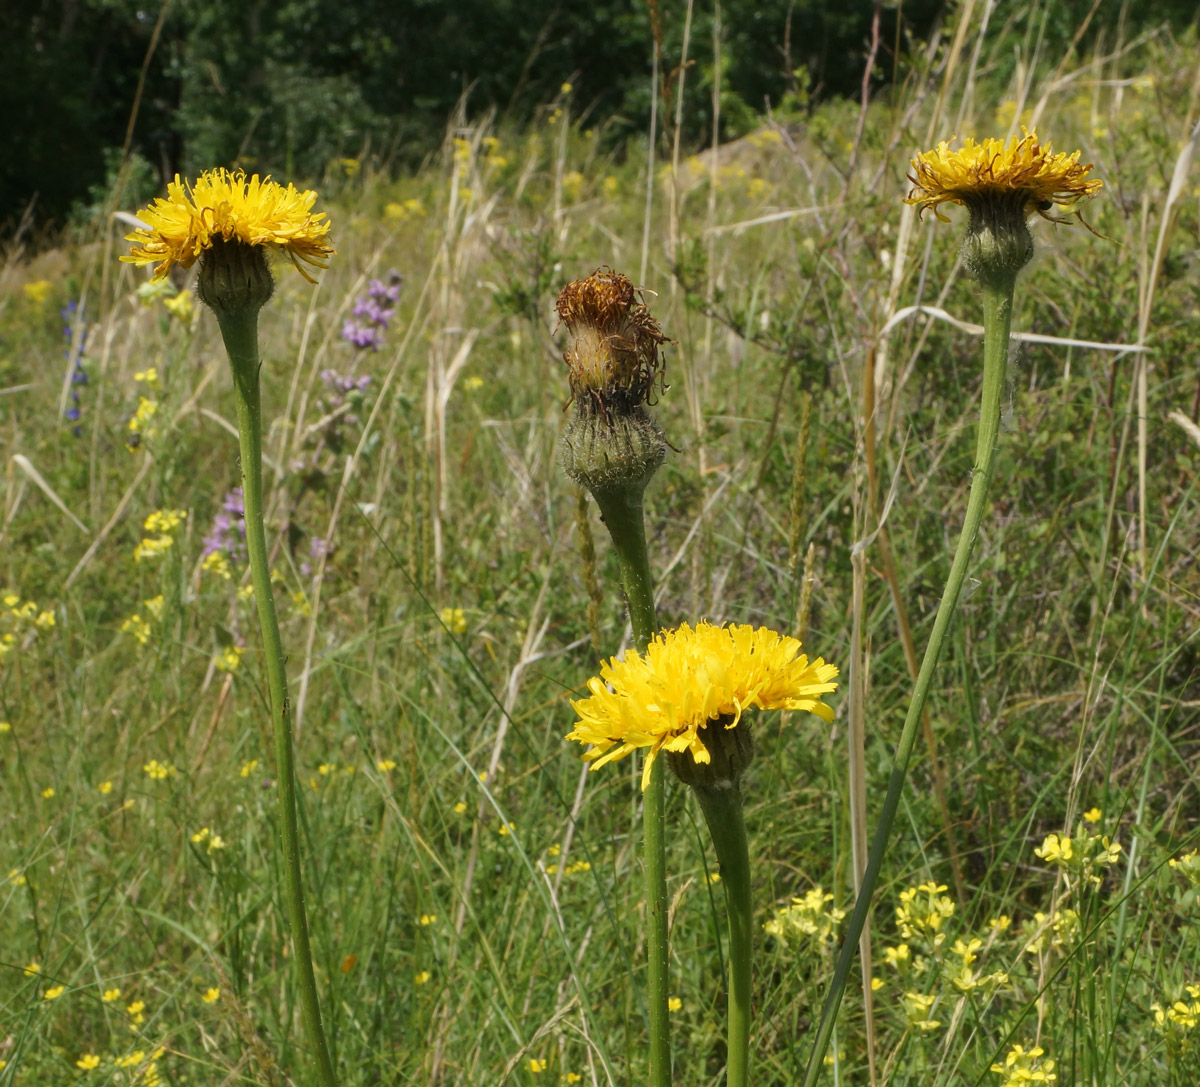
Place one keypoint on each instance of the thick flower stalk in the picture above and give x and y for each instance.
(1002, 187)
(613, 447)
(229, 223)
(687, 697)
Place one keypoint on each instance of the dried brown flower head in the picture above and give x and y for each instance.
(613, 355)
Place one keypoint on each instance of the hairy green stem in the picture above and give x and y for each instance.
(997, 319)
(723, 812)
(240, 333)
(624, 518)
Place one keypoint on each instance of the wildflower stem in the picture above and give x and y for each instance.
(722, 809)
(997, 293)
(239, 329)
(623, 515)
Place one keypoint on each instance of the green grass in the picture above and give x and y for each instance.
(1071, 681)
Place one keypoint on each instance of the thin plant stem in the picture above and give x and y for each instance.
(240, 333)
(997, 320)
(723, 811)
(624, 517)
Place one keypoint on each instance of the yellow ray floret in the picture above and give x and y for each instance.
(686, 681)
(978, 172)
(256, 212)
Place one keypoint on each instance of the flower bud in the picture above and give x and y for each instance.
(611, 445)
(730, 744)
(234, 278)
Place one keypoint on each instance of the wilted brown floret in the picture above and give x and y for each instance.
(613, 355)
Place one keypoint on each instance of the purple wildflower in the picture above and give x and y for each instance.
(74, 353)
(229, 527)
(375, 308)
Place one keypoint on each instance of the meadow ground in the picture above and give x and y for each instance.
(475, 894)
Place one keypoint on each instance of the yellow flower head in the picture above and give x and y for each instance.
(1025, 171)
(255, 212)
(687, 695)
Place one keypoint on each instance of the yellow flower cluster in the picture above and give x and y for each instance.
(1188, 866)
(212, 843)
(807, 918)
(157, 771)
(923, 913)
(1059, 930)
(1024, 1066)
(917, 1007)
(20, 620)
(1083, 855)
(1177, 1021)
(229, 659)
(159, 526)
(453, 620)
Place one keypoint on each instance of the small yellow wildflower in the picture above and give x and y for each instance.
(1188, 866)
(88, 1061)
(148, 376)
(109, 995)
(428, 918)
(536, 1066)
(228, 659)
(164, 520)
(48, 792)
(610, 186)
(5, 726)
(807, 917)
(386, 765)
(923, 911)
(503, 830)
(473, 383)
(1056, 849)
(45, 620)
(54, 992)
(33, 968)
(137, 628)
(326, 768)
(215, 562)
(1022, 1067)
(1093, 815)
(224, 205)
(674, 1003)
(460, 807)
(181, 307)
(211, 995)
(104, 788)
(248, 768)
(137, 1014)
(453, 620)
(152, 547)
(572, 184)
(156, 770)
(917, 1007)
(38, 291)
(574, 1077)
(422, 977)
